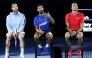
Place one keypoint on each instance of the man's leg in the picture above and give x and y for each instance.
(80, 39)
(67, 38)
(7, 44)
(49, 37)
(21, 39)
(36, 39)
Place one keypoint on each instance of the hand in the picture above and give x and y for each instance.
(15, 34)
(48, 15)
(41, 32)
(74, 33)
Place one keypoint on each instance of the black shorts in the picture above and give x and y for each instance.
(75, 35)
(45, 32)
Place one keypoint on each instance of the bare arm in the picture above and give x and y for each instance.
(36, 28)
(81, 27)
(52, 20)
(67, 26)
(81, 23)
(67, 23)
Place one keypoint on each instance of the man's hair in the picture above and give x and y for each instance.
(13, 3)
(39, 5)
(73, 3)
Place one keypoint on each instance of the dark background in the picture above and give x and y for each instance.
(57, 8)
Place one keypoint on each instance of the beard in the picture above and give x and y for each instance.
(41, 12)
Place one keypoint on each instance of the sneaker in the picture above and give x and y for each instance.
(47, 50)
(6, 56)
(70, 53)
(79, 52)
(39, 51)
(21, 55)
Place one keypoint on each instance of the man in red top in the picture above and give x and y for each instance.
(74, 22)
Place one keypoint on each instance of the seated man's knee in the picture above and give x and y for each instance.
(67, 35)
(9, 35)
(21, 35)
(80, 35)
(36, 36)
(49, 35)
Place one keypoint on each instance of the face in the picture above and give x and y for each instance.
(14, 7)
(40, 9)
(74, 7)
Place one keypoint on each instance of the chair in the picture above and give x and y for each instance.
(66, 51)
(51, 46)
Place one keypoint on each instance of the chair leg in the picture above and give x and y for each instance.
(51, 48)
(57, 52)
(66, 52)
(82, 50)
(35, 50)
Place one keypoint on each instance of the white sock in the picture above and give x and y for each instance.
(22, 50)
(39, 46)
(7, 51)
(47, 45)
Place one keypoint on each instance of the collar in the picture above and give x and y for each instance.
(40, 15)
(11, 13)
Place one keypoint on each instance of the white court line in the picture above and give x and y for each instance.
(86, 9)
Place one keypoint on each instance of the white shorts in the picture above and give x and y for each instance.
(9, 33)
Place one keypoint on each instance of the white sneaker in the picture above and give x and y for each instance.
(6, 56)
(21, 55)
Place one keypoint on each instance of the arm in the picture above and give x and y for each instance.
(22, 24)
(36, 24)
(81, 23)
(67, 24)
(9, 28)
(52, 20)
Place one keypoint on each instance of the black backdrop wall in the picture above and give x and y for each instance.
(58, 9)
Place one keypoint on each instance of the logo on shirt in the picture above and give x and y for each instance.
(44, 23)
(77, 18)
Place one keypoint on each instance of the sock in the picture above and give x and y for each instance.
(22, 50)
(7, 51)
(39, 46)
(47, 45)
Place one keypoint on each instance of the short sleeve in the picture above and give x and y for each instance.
(66, 19)
(82, 19)
(35, 22)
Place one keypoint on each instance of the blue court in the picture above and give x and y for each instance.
(29, 47)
